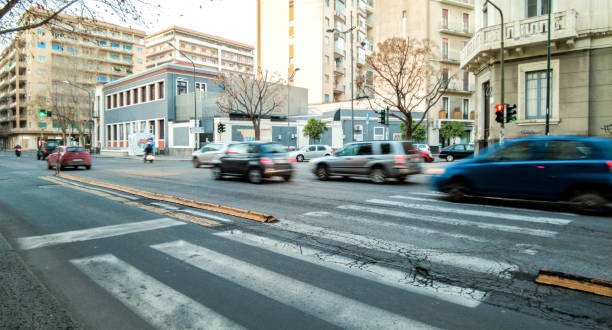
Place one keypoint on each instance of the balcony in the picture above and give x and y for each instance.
(519, 34)
(369, 47)
(459, 87)
(363, 7)
(340, 15)
(469, 4)
(370, 22)
(338, 52)
(450, 57)
(338, 70)
(370, 6)
(456, 29)
(338, 89)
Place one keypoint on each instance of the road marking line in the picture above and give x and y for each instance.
(455, 222)
(427, 194)
(33, 242)
(395, 226)
(155, 302)
(331, 307)
(372, 272)
(515, 217)
(208, 215)
(475, 264)
(95, 188)
(166, 206)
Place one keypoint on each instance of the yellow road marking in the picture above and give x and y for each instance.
(251, 215)
(185, 217)
(591, 285)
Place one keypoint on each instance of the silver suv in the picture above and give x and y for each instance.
(378, 160)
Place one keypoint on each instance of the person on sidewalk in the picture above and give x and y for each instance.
(147, 151)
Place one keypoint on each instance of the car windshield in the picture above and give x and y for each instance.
(75, 149)
(52, 144)
(272, 149)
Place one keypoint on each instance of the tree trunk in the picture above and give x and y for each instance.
(409, 126)
(256, 129)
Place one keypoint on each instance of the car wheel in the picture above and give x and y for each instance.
(37, 157)
(49, 167)
(196, 162)
(88, 167)
(456, 191)
(217, 174)
(589, 202)
(254, 175)
(450, 158)
(402, 178)
(299, 158)
(287, 178)
(322, 173)
(377, 175)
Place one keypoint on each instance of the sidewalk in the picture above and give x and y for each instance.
(139, 158)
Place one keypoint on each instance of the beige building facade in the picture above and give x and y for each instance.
(206, 51)
(449, 25)
(297, 38)
(581, 67)
(55, 68)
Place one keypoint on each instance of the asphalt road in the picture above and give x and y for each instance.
(345, 253)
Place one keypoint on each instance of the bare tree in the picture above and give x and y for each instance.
(405, 79)
(252, 97)
(21, 15)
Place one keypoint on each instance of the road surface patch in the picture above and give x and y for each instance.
(574, 282)
(361, 268)
(329, 306)
(251, 215)
(159, 305)
(33, 242)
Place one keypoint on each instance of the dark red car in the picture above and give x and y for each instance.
(70, 156)
(425, 156)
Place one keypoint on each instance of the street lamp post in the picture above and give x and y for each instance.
(290, 80)
(195, 112)
(501, 54)
(90, 110)
(350, 30)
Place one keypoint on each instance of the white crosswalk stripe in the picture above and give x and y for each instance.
(471, 263)
(435, 219)
(394, 226)
(326, 305)
(480, 213)
(373, 272)
(158, 304)
(33, 242)
(193, 212)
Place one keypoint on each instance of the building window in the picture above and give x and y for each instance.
(128, 99)
(101, 42)
(444, 18)
(121, 99)
(465, 111)
(535, 94)
(485, 17)
(536, 7)
(139, 50)
(326, 3)
(108, 102)
(160, 89)
(326, 40)
(135, 90)
(42, 44)
(152, 92)
(114, 100)
(114, 57)
(444, 48)
(127, 59)
(41, 58)
(143, 94)
(114, 45)
(326, 22)
(57, 48)
(445, 106)
(326, 59)
(445, 77)
(326, 78)
(181, 87)
(200, 86)
(127, 47)
(114, 79)
(41, 32)
(379, 133)
(466, 80)
(139, 60)
(326, 97)
(466, 23)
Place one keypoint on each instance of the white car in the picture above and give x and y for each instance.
(422, 147)
(209, 153)
(311, 151)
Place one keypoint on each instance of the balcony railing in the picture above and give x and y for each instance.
(338, 88)
(462, 3)
(456, 28)
(338, 52)
(338, 70)
(521, 33)
(450, 57)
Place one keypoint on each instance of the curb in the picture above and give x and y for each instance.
(251, 215)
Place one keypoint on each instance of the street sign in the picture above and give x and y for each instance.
(367, 118)
(193, 130)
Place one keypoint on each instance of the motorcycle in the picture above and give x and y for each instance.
(18, 151)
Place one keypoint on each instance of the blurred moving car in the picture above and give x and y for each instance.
(378, 160)
(46, 149)
(422, 146)
(255, 160)
(209, 154)
(69, 156)
(456, 151)
(311, 152)
(549, 168)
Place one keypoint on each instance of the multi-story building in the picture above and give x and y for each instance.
(580, 67)
(448, 24)
(207, 52)
(54, 68)
(297, 38)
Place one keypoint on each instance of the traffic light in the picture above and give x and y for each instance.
(221, 128)
(382, 114)
(510, 113)
(499, 113)
(42, 113)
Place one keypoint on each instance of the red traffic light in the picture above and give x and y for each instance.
(499, 107)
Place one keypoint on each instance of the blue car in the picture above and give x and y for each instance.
(548, 168)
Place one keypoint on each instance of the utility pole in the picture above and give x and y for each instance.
(548, 89)
(501, 55)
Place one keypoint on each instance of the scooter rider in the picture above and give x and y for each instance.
(18, 150)
(148, 150)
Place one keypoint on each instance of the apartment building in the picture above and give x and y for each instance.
(207, 52)
(449, 25)
(54, 68)
(297, 38)
(580, 67)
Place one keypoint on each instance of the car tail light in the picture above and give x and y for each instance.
(332, 151)
(292, 160)
(609, 163)
(229, 152)
(44, 150)
(400, 160)
(266, 161)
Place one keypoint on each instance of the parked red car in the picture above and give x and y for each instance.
(73, 156)
(425, 156)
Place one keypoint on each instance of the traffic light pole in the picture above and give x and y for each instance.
(501, 55)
